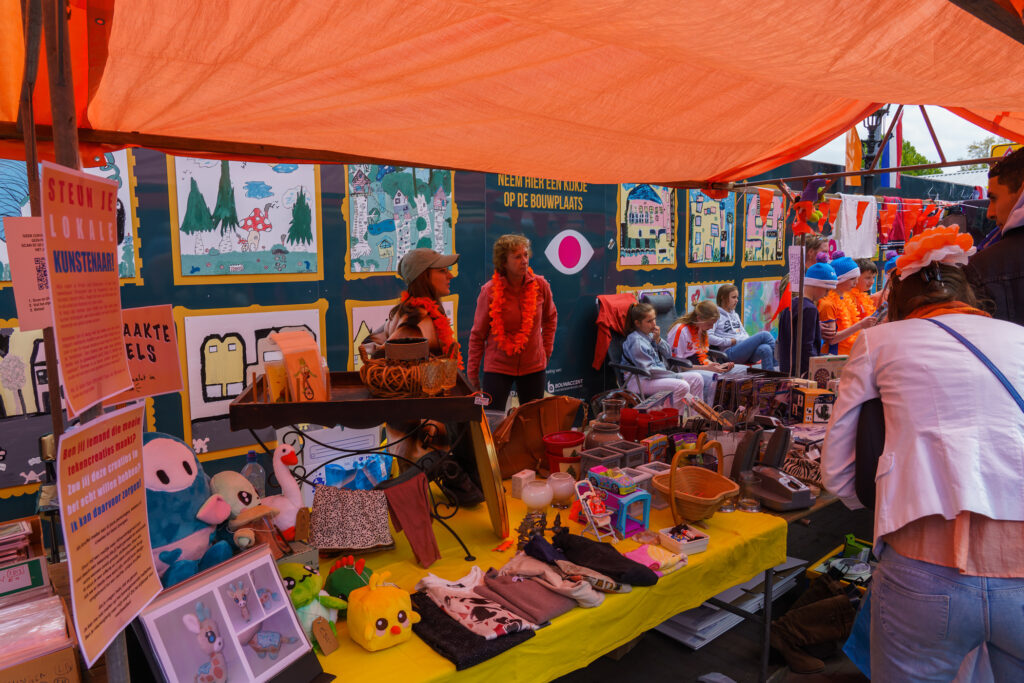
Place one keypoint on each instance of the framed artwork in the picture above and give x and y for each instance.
(244, 221)
(221, 350)
(118, 166)
(232, 622)
(646, 220)
(391, 210)
(648, 288)
(702, 291)
(366, 316)
(759, 298)
(710, 230)
(764, 239)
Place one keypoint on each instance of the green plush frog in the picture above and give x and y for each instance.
(305, 587)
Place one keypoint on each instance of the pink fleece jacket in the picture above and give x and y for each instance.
(538, 349)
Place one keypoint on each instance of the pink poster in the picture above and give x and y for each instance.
(28, 271)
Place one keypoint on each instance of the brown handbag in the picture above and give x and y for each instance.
(519, 438)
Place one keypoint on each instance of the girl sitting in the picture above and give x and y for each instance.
(689, 341)
(645, 349)
(730, 335)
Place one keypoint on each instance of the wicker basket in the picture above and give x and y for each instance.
(695, 493)
(390, 379)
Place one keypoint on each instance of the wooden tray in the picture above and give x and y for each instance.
(351, 405)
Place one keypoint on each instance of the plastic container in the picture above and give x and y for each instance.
(598, 456)
(254, 472)
(677, 544)
(564, 444)
(658, 499)
(633, 454)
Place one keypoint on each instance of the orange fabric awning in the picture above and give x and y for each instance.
(604, 91)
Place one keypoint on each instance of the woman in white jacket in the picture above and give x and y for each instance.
(731, 337)
(949, 511)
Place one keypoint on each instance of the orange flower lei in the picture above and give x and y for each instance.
(527, 311)
(442, 325)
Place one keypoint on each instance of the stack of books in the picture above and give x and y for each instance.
(14, 541)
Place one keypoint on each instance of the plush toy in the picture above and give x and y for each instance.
(249, 515)
(305, 587)
(380, 616)
(806, 209)
(290, 499)
(183, 511)
(346, 575)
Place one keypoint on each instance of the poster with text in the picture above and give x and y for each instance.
(28, 270)
(151, 344)
(702, 291)
(366, 316)
(106, 532)
(221, 351)
(646, 232)
(764, 236)
(710, 230)
(80, 232)
(244, 221)
(760, 298)
(119, 167)
(392, 210)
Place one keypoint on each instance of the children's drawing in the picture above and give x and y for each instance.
(24, 404)
(760, 298)
(703, 291)
(222, 350)
(366, 316)
(244, 221)
(647, 222)
(710, 229)
(647, 288)
(764, 242)
(118, 166)
(392, 210)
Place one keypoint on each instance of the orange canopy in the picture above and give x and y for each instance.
(594, 90)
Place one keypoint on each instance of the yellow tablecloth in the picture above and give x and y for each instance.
(741, 546)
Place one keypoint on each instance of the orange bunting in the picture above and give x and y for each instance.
(833, 209)
(862, 206)
(765, 199)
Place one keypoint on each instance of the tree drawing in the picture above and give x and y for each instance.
(197, 213)
(12, 377)
(224, 212)
(300, 230)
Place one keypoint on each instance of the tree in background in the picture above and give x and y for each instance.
(197, 213)
(982, 149)
(911, 157)
(224, 212)
(300, 229)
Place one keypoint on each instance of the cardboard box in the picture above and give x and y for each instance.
(812, 406)
(821, 369)
(59, 666)
(656, 448)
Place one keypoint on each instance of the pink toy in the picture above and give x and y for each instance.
(210, 642)
(290, 500)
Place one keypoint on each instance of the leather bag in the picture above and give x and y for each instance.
(519, 438)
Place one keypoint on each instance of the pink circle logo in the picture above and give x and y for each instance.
(569, 252)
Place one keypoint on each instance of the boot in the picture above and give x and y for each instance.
(818, 622)
(819, 589)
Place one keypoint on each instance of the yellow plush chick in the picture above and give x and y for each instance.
(379, 615)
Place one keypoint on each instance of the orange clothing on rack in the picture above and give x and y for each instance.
(843, 311)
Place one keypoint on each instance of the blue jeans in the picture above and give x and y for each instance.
(926, 618)
(760, 346)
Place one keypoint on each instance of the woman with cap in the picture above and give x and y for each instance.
(420, 314)
(949, 514)
(838, 311)
(514, 327)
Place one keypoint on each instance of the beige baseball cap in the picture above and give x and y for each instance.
(415, 262)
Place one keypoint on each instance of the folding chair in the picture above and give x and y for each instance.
(665, 314)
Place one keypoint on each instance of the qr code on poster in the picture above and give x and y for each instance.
(42, 280)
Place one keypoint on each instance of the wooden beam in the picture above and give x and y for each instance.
(931, 131)
(62, 91)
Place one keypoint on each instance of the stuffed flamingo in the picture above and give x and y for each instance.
(290, 499)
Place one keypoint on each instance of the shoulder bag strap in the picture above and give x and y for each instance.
(984, 359)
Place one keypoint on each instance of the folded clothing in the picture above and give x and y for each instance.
(603, 558)
(529, 599)
(455, 642)
(599, 581)
(539, 548)
(480, 615)
(657, 558)
(581, 591)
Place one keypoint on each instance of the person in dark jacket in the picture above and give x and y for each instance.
(819, 279)
(997, 272)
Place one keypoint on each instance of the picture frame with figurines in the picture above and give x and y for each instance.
(234, 621)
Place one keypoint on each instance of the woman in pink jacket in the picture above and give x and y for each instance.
(514, 327)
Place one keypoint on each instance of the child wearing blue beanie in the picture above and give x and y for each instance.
(819, 280)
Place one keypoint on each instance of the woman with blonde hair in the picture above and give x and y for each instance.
(688, 340)
(513, 331)
(731, 337)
